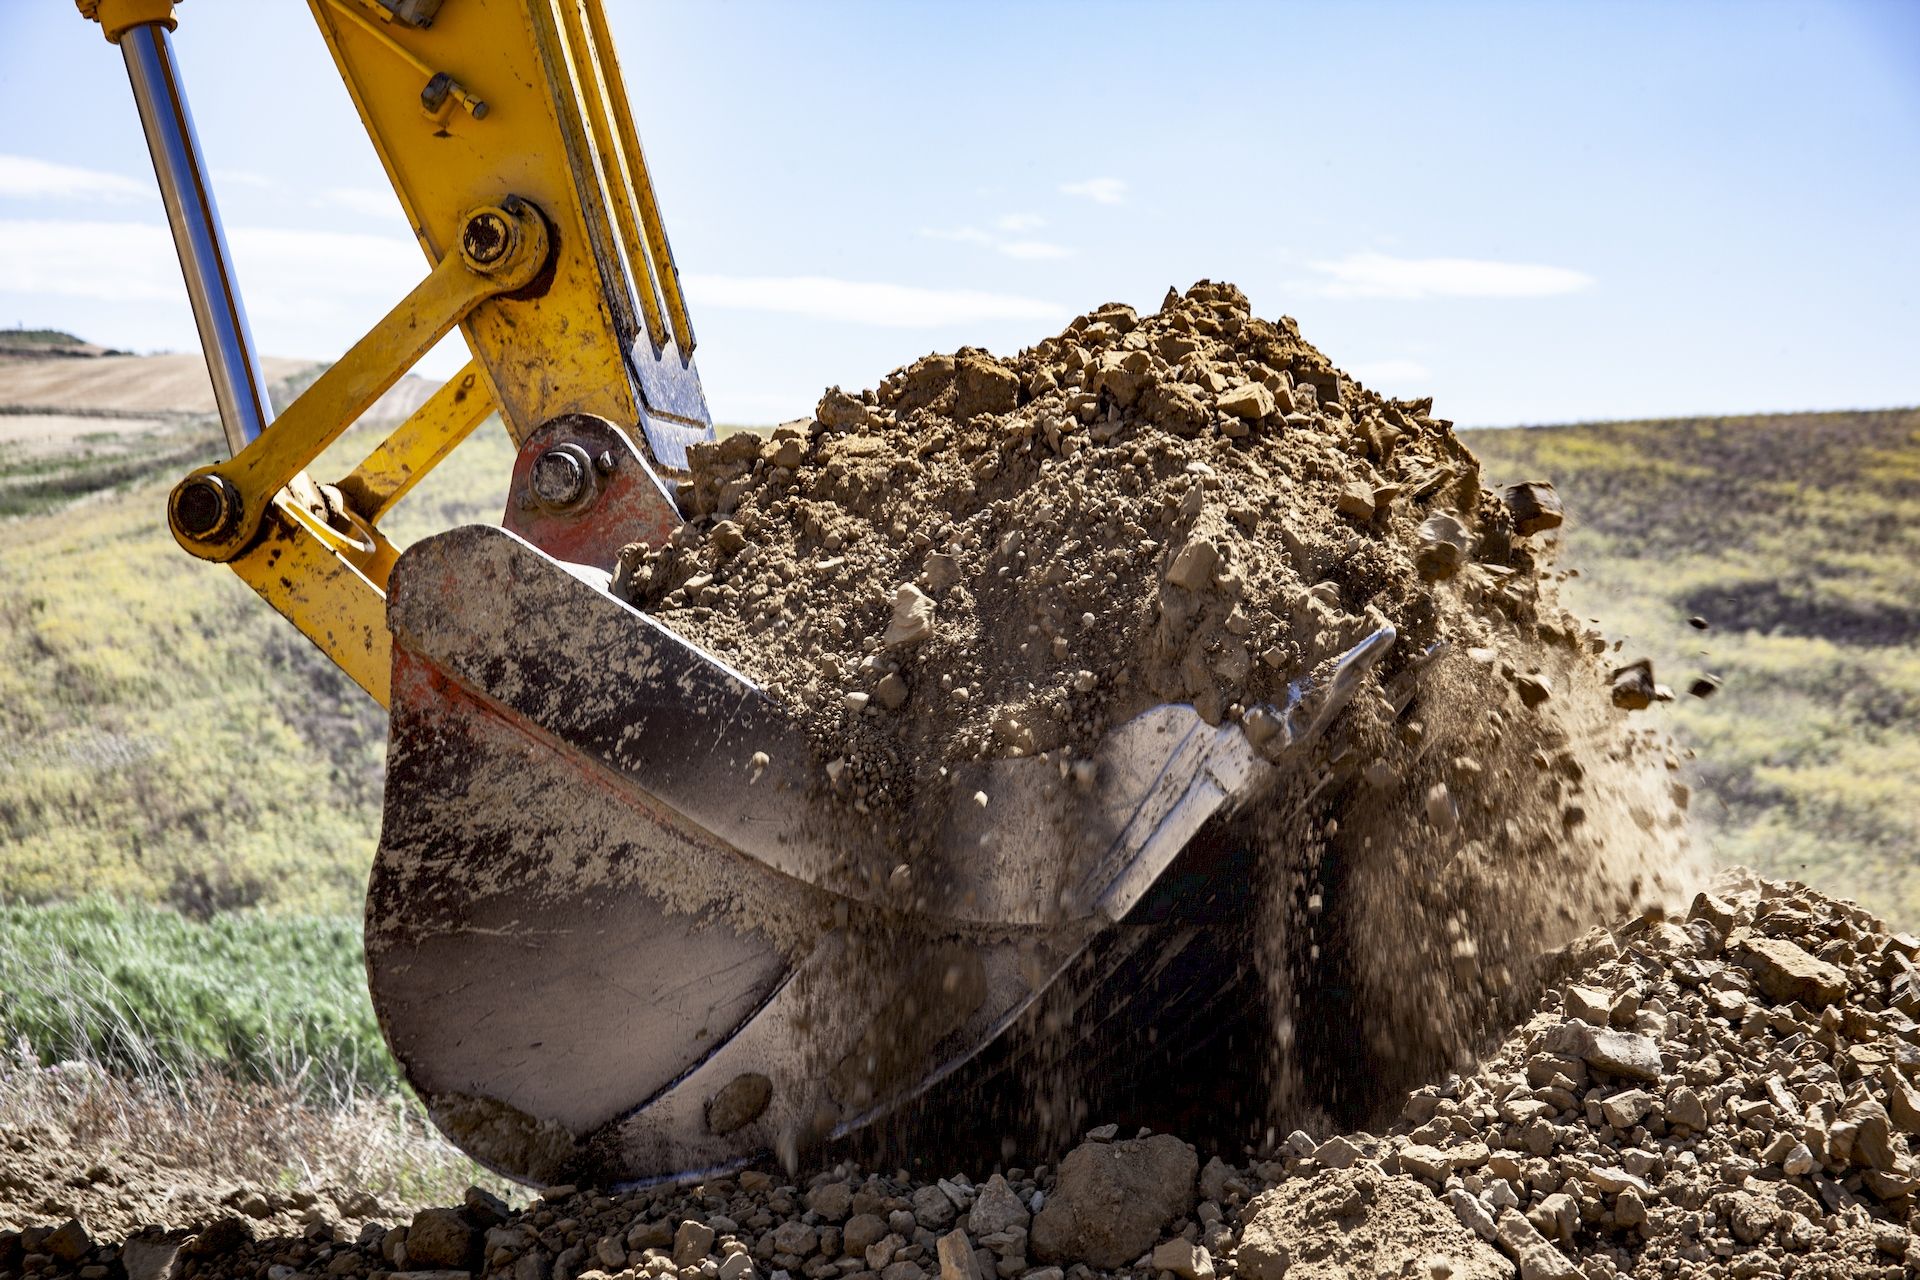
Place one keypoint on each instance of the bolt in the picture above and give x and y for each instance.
(200, 506)
(558, 479)
(606, 462)
(487, 238)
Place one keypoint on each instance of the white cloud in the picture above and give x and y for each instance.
(1033, 250)
(1390, 372)
(1015, 223)
(1098, 190)
(893, 306)
(374, 204)
(134, 261)
(242, 178)
(1025, 250)
(1379, 275)
(25, 178)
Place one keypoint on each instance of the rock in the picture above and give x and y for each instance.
(1903, 1102)
(1787, 973)
(932, 1209)
(1111, 1200)
(1185, 1259)
(1751, 1218)
(831, 1200)
(862, 1232)
(692, 1242)
(484, 1209)
(1537, 1259)
(1620, 1053)
(1444, 547)
(1873, 1136)
(839, 411)
(982, 384)
(67, 1243)
(1472, 1214)
(1121, 375)
(1442, 811)
(1704, 686)
(1535, 507)
(1533, 687)
(1629, 1210)
(912, 619)
(1426, 1162)
(441, 1238)
(1194, 564)
(1343, 1223)
(1336, 1152)
(1633, 685)
(794, 1236)
(153, 1257)
(1356, 500)
(1213, 1180)
(1591, 1005)
(1717, 912)
(904, 1270)
(228, 1235)
(1251, 402)
(956, 1257)
(1613, 1180)
(996, 1208)
(1625, 1110)
(891, 691)
(1685, 1108)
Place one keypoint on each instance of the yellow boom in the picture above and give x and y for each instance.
(504, 129)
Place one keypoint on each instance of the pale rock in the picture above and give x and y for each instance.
(1194, 564)
(1185, 1259)
(1591, 1005)
(1472, 1214)
(1684, 1107)
(1620, 1053)
(1535, 1256)
(912, 619)
(996, 1208)
(1111, 1199)
(1625, 1110)
(956, 1257)
(1787, 973)
(1251, 402)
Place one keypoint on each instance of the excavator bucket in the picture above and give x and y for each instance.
(611, 929)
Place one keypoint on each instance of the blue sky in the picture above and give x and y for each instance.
(1533, 212)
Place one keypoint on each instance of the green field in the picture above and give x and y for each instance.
(1797, 538)
(163, 735)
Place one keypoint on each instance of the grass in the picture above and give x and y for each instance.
(163, 735)
(231, 1132)
(1796, 536)
(243, 1048)
(148, 993)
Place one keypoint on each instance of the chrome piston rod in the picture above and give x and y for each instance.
(239, 388)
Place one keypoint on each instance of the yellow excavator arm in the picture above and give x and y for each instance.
(504, 128)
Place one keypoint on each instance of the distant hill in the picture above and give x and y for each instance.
(164, 735)
(1796, 538)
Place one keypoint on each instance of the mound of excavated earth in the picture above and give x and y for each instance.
(990, 558)
(1734, 1093)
